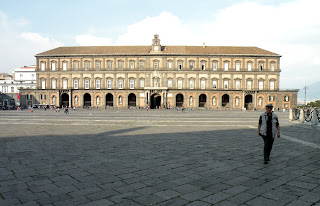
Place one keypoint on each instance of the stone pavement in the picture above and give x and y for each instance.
(156, 157)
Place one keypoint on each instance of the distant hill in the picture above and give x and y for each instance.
(313, 93)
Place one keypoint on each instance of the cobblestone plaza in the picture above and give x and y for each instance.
(155, 157)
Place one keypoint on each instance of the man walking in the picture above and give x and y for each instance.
(268, 129)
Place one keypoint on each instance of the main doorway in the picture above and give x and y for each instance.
(225, 100)
(65, 100)
(132, 100)
(179, 100)
(109, 100)
(155, 101)
(248, 101)
(87, 100)
(202, 100)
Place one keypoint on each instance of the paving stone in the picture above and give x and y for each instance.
(215, 198)
(148, 200)
(167, 194)
(104, 202)
(122, 156)
(196, 195)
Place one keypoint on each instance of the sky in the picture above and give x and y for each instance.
(290, 28)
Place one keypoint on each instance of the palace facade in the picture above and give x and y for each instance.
(211, 77)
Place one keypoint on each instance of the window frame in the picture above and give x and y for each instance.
(86, 84)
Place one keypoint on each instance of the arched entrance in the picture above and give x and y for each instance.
(179, 100)
(155, 101)
(87, 100)
(248, 101)
(109, 100)
(131, 100)
(65, 100)
(202, 100)
(225, 100)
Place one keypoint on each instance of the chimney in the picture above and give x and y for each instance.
(203, 45)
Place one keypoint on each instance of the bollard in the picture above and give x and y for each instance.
(301, 118)
(314, 119)
(290, 115)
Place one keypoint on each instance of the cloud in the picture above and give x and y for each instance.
(290, 29)
(39, 40)
(170, 28)
(18, 48)
(91, 40)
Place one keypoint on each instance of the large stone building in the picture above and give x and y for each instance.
(10, 85)
(212, 77)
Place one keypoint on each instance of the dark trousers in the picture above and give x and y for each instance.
(268, 142)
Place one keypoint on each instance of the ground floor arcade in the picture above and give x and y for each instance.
(160, 98)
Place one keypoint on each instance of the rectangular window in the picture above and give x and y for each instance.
(271, 98)
(109, 65)
(120, 84)
(64, 83)
(33, 77)
(109, 83)
(141, 64)
(86, 65)
(179, 84)
(43, 96)
(131, 84)
(21, 76)
(97, 65)
(191, 65)
(237, 84)
(249, 66)
(203, 65)
(43, 66)
(237, 66)
(76, 84)
(203, 84)
(131, 65)
(286, 98)
(29, 96)
(12, 89)
(169, 83)
(155, 65)
(98, 83)
(260, 86)
(272, 67)
(169, 65)
(179, 65)
(141, 82)
(43, 84)
(214, 84)
(86, 84)
(272, 85)
(120, 64)
(64, 66)
(191, 84)
(226, 66)
(53, 66)
(261, 66)
(76, 65)
(214, 66)
(249, 85)
(54, 84)
(225, 84)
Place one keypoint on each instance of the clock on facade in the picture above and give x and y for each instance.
(156, 48)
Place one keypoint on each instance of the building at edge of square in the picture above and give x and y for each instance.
(159, 76)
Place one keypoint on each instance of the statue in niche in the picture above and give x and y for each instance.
(191, 101)
(76, 100)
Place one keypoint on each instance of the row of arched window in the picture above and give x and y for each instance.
(156, 82)
(179, 65)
